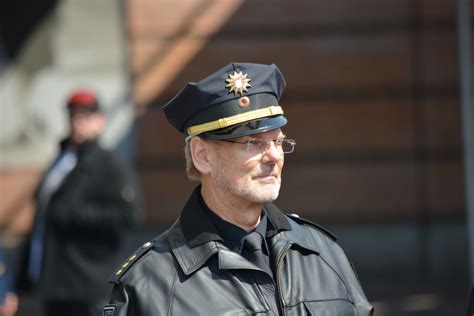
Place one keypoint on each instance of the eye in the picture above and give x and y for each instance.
(254, 142)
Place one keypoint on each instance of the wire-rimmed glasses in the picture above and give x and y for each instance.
(286, 145)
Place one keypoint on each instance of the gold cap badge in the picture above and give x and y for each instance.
(238, 83)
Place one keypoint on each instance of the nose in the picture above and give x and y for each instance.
(272, 153)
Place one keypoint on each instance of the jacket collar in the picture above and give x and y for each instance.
(195, 223)
(194, 239)
(296, 236)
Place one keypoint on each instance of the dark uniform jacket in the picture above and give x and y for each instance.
(188, 271)
(86, 223)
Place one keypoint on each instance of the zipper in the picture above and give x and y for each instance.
(277, 277)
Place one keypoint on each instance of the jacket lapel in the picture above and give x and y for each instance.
(229, 260)
(192, 259)
(189, 258)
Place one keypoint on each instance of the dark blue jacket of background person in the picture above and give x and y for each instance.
(5, 278)
(87, 222)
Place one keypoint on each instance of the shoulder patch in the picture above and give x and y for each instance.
(130, 261)
(306, 222)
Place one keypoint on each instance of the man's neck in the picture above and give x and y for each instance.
(232, 209)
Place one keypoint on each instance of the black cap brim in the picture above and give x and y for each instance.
(248, 128)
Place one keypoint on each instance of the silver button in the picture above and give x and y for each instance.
(146, 245)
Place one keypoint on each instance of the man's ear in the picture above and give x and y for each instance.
(201, 152)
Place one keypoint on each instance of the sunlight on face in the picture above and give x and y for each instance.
(254, 178)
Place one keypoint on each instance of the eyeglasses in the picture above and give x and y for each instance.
(258, 145)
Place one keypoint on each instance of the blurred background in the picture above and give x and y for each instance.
(379, 100)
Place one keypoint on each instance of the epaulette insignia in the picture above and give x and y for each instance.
(303, 221)
(129, 262)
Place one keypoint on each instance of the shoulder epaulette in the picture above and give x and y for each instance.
(130, 261)
(306, 222)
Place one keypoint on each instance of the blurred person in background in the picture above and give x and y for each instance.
(232, 251)
(86, 204)
(8, 299)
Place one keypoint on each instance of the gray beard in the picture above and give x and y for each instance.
(257, 193)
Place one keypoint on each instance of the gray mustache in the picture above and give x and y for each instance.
(266, 170)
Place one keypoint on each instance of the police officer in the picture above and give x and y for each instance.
(232, 251)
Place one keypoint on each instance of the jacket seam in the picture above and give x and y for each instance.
(325, 300)
(260, 295)
(339, 276)
(335, 271)
(172, 292)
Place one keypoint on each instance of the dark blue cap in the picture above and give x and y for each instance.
(239, 99)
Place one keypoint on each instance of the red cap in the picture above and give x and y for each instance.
(83, 99)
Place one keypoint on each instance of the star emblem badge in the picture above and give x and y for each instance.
(238, 83)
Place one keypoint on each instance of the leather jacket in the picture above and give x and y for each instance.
(188, 271)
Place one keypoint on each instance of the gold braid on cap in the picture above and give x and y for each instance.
(233, 120)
